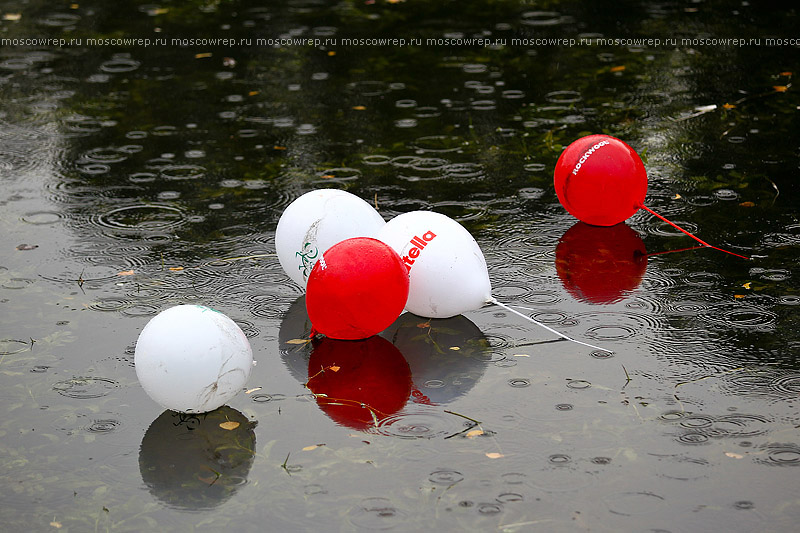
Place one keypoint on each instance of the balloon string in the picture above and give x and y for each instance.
(551, 330)
(704, 243)
(674, 251)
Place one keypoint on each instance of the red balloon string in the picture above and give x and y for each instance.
(674, 251)
(704, 243)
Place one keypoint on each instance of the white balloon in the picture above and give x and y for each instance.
(316, 221)
(192, 359)
(446, 268)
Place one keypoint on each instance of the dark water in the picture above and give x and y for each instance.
(134, 178)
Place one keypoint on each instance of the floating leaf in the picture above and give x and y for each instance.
(494, 455)
(747, 204)
(455, 348)
(738, 296)
(253, 93)
(677, 196)
(312, 447)
(17, 16)
(787, 73)
(203, 55)
(176, 269)
(474, 433)
(126, 273)
(57, 525)
(618, 68)
(781, 88)
(334, 368)
(746, 285)
(729, 106)
(331, 53)
(248, 391)
(276, 147)
(230, 425)
(521, 355)
(359, 108)
(298, 341)
(734, 455)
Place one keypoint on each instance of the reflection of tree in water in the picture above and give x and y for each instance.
(197, 461)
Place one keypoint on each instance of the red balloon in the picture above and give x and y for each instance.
(357, 289)
(354, 380)
(600, 180)
(600, 265)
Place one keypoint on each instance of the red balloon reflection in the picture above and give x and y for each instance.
(600, 265)
(358, 382)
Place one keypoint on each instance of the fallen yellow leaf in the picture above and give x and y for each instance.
(298, 341)
(359, 108)
(176, 269)
(126, 273)
(334, 368)
(331, 53)
(455, 348)
(203, 55)
(15, 16)
(253, 93)
(787, 73)
(619, 68)
(521, 355)
(312, 447)
(248, 391)
(747, 204)
(746, 285)
(734, 455)
(729, 106)
(676, 197)
(230, 425)
(56, 525)
(494, 455)
(474, 433)
(276, 147)
(738, 296)
(781, 88)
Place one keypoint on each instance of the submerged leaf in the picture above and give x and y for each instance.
(230, 425)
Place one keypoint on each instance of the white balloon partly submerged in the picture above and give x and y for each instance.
(192, 359)
(446, 268)
(316, 221)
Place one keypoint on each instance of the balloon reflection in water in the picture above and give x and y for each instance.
(600, 265)
(435, 371)
(447, 356)
(191, 461)
(357, 383)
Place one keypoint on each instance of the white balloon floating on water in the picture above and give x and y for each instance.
(192, 359)
(316, 221)
(446, 268)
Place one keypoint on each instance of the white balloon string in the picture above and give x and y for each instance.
(551, 330)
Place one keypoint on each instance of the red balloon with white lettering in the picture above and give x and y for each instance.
(446, 268)
(356, 290)
(600, 180)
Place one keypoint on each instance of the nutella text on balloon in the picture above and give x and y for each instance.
(586, 155)
(417, 244)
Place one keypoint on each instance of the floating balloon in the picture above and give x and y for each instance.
(192, 359)
(197, 462)
(358, 383)
(446, 268)
(602, 181)
(316, 221)
(600, 265)
(356, 290)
